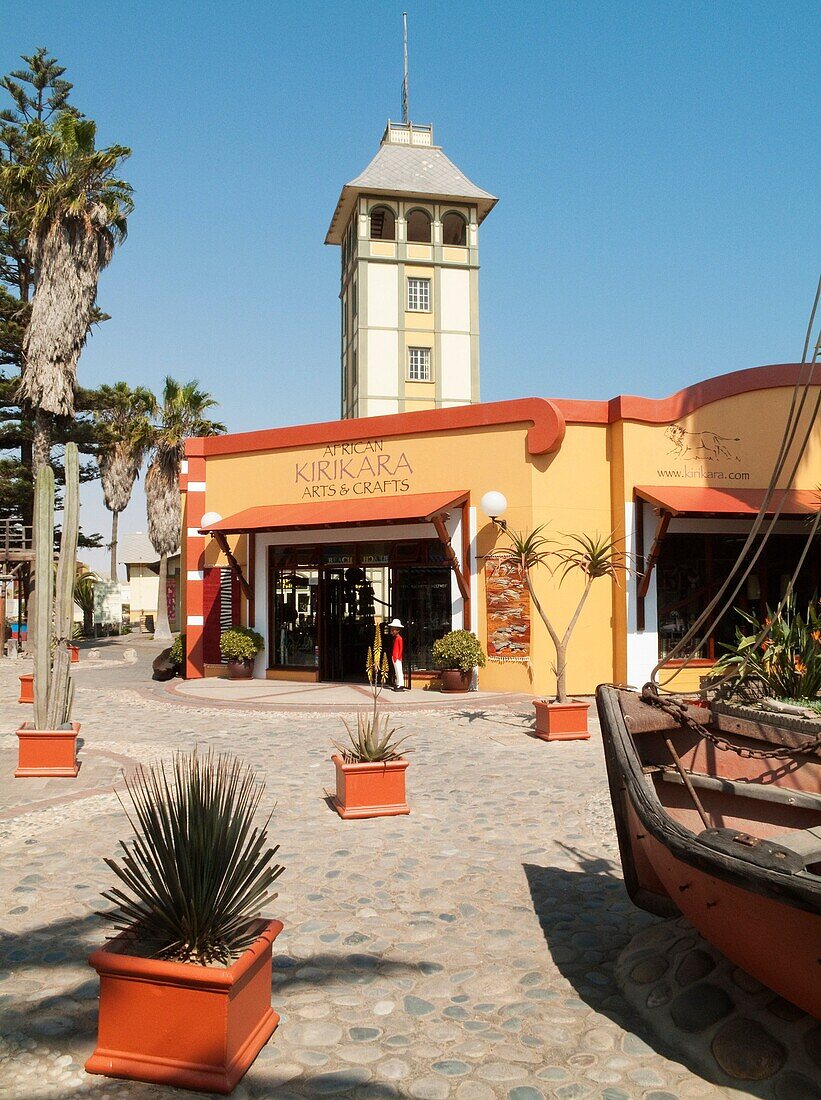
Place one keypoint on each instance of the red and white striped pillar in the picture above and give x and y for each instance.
(193, 484)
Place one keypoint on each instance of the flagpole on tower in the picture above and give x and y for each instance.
(405, 81)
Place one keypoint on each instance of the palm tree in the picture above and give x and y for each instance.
(74, 207)
(125, 416)
(591, 555)
(181, 416)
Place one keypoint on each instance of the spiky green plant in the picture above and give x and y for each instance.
(197, 872)
(84, 599)
(53, 619)
(374, 740)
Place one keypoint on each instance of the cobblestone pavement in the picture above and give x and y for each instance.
(465, 951)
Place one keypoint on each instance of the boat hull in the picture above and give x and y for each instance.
(767, 923)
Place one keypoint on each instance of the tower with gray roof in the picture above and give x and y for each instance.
(408, 227)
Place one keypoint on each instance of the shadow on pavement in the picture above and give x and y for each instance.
(587, 919)
(520, 721)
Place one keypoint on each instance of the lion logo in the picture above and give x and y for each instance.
(701, 445)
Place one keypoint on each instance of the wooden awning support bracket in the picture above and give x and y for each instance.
(222, 542)
(461, 580)
(652, 557)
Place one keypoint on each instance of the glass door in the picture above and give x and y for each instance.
(421, 598)
(349, 612)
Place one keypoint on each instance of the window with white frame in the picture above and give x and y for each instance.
(419, 364)
(419, 295)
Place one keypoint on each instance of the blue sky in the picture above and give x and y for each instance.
(656, 163)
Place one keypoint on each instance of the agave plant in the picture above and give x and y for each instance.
(374, 740)
(197, 872)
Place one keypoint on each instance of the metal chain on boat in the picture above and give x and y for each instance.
(680, 712)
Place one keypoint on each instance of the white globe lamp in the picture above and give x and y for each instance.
(494, 506)
(209, 519)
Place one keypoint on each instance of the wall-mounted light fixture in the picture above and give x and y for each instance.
(209, 519)
(494, 506)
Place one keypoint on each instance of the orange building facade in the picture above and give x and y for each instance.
(313, 535)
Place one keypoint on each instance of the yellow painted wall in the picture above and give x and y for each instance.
(583, 488)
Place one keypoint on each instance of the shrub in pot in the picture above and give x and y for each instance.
(239, 646)
(48, 745)
(370, 769)
(185, 987)
(593, 556)
(457, 654)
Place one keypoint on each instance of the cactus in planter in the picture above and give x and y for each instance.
(54, 599)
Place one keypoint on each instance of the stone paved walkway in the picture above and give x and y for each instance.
(465, 951)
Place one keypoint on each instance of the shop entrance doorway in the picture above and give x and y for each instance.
(325, 603)
(350, 611)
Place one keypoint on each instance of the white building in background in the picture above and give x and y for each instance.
(142, 565)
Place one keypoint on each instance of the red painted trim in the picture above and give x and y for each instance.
(679, 500)
(357, 512)
(665, 410)
(544, 436)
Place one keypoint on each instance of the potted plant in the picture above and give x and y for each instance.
(457, 655)
(370, 770)
(185, 988)
(239, 646)
(774, 666)
(47, 747)
(592, 556)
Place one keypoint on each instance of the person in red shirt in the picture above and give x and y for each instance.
(396, 655)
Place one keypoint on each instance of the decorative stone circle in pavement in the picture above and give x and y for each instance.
(466, 952)
(738, 1032)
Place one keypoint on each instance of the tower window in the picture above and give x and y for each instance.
(383, 224)
(454, 229)
(419, 227)
(419, 295)
(419, 364)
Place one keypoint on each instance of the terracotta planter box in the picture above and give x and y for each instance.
(561, 721)
(239, 670)
(47, 753)
(453, 679)
(170, 1023)
(26, 688)
(370, 790)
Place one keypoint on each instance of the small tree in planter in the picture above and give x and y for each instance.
(593, 556)
(239, 646)
(185, 990)
(457, 655)
(370, 770)
(48, 746)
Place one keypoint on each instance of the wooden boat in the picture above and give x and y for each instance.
(746, 874)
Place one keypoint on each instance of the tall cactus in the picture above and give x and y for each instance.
(54, 610)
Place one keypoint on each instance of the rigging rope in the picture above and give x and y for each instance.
(795, 413)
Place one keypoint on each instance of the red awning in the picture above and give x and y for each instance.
(356, 512)
(688, 500)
